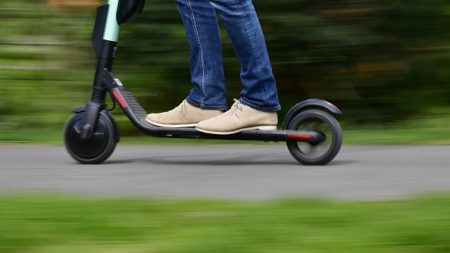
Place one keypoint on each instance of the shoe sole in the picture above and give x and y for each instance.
(263, 128)
(165, 125)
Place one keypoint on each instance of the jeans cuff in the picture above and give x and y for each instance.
(198, 105)
(261, 108)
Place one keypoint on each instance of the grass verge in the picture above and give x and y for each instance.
(38, 223)
(422, 130)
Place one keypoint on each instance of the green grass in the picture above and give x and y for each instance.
(431, 129)
(41, 223)
(436, 131)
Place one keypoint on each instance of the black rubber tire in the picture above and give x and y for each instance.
(96, 150)
(336, 137)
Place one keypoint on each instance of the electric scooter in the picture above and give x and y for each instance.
(310, 128)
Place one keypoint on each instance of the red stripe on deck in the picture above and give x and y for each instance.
(300, 136)
(119, 99)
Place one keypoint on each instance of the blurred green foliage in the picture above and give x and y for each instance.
(381, 61)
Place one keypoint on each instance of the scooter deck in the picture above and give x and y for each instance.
(137, 114)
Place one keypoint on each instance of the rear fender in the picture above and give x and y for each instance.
(310, 103)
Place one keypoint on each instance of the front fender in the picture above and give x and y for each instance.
(310, 103)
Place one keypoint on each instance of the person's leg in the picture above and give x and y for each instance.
(243, 27)
(207, 75)
(208, 96)
(258, 102)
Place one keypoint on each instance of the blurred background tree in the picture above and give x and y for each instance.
(381, 61)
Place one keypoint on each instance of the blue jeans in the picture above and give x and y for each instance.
(242, 25)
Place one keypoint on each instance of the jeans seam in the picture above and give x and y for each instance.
(197, 40)
(257, 55)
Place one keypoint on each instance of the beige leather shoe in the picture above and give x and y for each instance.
(240, 117)
(184, 115)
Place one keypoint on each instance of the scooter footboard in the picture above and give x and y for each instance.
(131, 107)
(137, 114)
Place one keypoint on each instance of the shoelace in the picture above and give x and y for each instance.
(182, 106)
(237, 104)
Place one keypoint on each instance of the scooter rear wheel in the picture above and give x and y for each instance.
(96, 150)
(315, 153)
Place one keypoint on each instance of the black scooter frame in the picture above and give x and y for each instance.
(105, 81)
(137, 115)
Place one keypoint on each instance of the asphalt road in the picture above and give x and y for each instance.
(252, 172)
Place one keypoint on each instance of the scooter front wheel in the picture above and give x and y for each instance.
(315, 153)
(99, 147)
